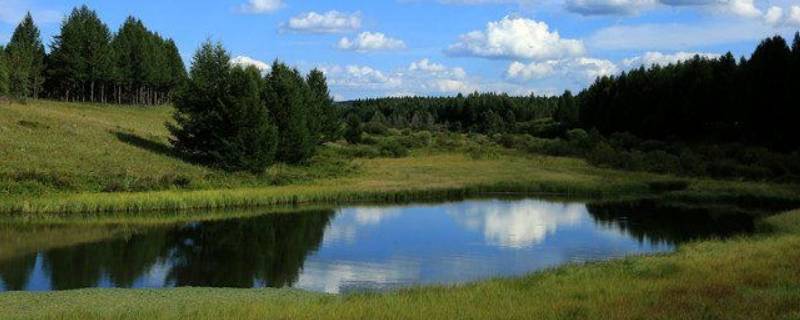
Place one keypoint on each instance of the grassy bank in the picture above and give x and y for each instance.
(755, 277)
(68, 158)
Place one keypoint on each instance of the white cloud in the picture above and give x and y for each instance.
(579, 70)
(519, 224)
(774, 15)
(371, 41)
(328, 22)
(794, 16)
(246, 61)
(744, 8)
(657, 58)
(425, 66)
(261, 6)
(540, 70)
(516, 38)
(422, 77)
(609, 7)
(673, 36)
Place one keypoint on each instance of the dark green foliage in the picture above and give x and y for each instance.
(354, 129)
(3, 73)
(81, 58)
(287, 96)
(25, 55)
(324, 116)
(147, 67)
(567, 111)
(89, 63)
(459, 113)
(220, 117)
(704, 100)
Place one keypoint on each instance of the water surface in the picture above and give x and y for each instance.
(353, 248)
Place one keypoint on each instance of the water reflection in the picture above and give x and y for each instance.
(517, 224)
(352, 249)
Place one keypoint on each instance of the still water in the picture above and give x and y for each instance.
(351, 249)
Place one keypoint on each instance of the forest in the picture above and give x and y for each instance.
(88, 63)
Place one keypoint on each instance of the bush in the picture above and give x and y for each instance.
(375, 128)
(392, 148)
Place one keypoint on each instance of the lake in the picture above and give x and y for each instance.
(353, 248)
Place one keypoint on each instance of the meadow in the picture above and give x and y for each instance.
(69, 158)
(68, 163)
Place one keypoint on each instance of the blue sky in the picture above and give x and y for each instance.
(442, 47)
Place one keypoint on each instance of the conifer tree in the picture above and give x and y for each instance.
(286, 96)
(81, 59)
(25, 54)
(325, 118)
(220, 118)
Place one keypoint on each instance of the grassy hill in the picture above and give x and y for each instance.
(68, 157)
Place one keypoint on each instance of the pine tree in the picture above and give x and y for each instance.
(81, 58)
(567, 111)
(325, 118)
(220, 118)
(26, 60)
(285, 95)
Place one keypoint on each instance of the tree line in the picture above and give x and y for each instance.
(704, 100)
(477, 112)
(88, 63)
(234, 118)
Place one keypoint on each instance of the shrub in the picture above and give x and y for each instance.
(376, 128)
(392, 148)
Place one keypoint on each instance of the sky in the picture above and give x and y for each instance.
(444, 47)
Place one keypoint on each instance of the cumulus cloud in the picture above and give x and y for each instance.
(371, 41)
(328, 22)
(608, 7)
(261, 6)
(422, 77)
(744, 8)
(794, 16)
(657, 58)
(516, 38)
(774, 15)
(246, 61)
(580, 70)
(783, 17)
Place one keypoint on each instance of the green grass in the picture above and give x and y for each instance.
(58, 158)
(754, 277)
(61, 157)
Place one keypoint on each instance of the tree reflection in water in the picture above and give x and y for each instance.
(267, 250)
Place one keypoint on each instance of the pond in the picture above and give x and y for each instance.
(352, 248)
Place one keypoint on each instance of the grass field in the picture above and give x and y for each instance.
(66, 158)
(107, 166)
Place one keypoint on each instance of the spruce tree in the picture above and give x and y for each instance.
(324, 116)
(81, 58)
(220, 118)
(26, 60)
(567, 110)
(286, 94)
